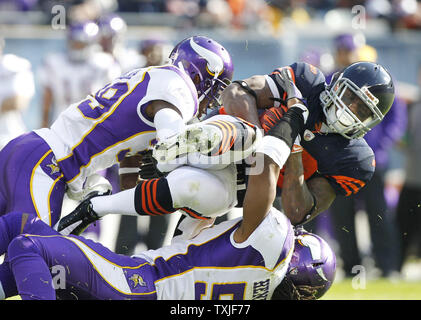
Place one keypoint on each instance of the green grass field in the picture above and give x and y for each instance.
(375, 290)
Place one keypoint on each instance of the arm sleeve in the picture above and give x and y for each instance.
(168, 122)
(174, 87)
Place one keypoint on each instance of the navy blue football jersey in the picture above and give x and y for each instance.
(347, 164)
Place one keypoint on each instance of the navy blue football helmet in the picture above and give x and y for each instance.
(357, 99)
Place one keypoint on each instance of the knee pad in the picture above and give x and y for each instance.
(21, 222)
(21, 245)
(208, 192)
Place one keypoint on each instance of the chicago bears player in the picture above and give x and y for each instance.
(244, 258)
(69, 76)
(335, 161)
(121, 119)
(332, 159)
(204, 184)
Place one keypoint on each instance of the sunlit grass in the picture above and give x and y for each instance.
(374, 290)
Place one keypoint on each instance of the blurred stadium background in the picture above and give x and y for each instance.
(260, 35)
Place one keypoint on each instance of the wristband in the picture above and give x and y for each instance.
(274, 148)
(128, 170)
(289, 126)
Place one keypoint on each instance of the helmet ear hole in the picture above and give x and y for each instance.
(317, 264)
(334, 78)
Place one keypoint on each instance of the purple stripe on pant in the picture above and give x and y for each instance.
(31, 257)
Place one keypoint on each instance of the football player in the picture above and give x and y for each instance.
(335, 159)
(331, 156)
(81, 70)
(256, 257)
(112, 30)
(202, 183)
(17, 88)
(123, 118)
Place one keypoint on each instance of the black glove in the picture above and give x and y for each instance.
(83, 212)
(271, 118)
(147, 168)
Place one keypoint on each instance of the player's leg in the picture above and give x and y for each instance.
(77, 267)
(220, 140)
(11, 225)
(31, 180)
(196, 191)
(210, 193)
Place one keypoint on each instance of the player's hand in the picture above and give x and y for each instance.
(81, 217)
(148, 167)
(284, 79)
(271, 117)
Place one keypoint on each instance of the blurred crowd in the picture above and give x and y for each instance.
(239, 14)
(96, 52)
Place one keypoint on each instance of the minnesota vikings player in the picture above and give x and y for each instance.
(245, 258)
(17, 87)
(331, 158)
(203, 185)
(69, 76)
(123, 118)
(112, 30)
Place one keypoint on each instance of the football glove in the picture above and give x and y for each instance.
(284, 79)
(84, 214)
(271, 117)
(148, 167)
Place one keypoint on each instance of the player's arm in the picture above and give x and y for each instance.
(129, 171)
(47, 103)
(15, 102)
(260, 194)
(167, 118)
(168, 121)
(244, 98)
(261, 189)
(303, 200)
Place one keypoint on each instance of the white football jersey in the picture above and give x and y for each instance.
(128, 59)
(72, 81)
(213, 266)
(102, 129)
(16, 79)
